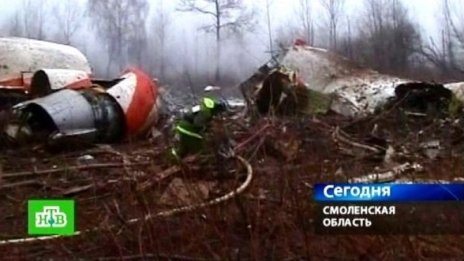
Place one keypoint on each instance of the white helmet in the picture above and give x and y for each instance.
(210, 88)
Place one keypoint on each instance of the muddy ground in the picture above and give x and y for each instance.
(272, 220)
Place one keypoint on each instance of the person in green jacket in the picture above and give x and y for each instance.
(191, 128)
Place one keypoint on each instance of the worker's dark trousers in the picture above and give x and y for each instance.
(189, 144)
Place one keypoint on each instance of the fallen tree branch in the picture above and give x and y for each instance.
(123, 156)
(430, 181)
(166, 213)
(20, 183)
(389, 175)
(252, 137)
(72, 168)
(159, 177)
(76, 190)
(338, 137)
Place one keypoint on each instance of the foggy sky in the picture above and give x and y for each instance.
(187, 46)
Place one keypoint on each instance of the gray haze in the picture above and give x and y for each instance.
(188, 54)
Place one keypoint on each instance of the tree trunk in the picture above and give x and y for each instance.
(218, 42)
(110, 60)
(269, 28)
(162, 56)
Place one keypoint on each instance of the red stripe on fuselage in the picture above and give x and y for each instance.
(17, 82)
(143, 100)
(79, 84)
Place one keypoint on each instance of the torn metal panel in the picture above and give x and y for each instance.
(126, 109)
(457, 88)
(138, 98)
(356, 91)
(69, 113)
(353, 91)
(45, 81)
(20, 55)
(282, 93)
(418, 98)
(250, 86)
(66, 110)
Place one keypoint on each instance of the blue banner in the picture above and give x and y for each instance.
(355, 192)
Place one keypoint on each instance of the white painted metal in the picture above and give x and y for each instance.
(357, 91)
(124, 90)
(59, 78)
(152, 116)
(48, 80)
(68, 109)
(457, 88)
(26, 55)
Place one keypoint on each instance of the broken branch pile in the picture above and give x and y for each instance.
(114, 186)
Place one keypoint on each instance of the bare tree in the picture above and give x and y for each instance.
(15, 25)
(137, 46)
(29, 20)
(117, 23)
(304, 15)
(69, 16)
(387, 38)
(230, 16)
(286, 35)
(345, 45)
(159, 35)
(448, 54)
(269, 26)
(333, 8)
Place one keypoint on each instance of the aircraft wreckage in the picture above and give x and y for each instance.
(126, 109)
(310, 80)
(25, 62)
(63, 101)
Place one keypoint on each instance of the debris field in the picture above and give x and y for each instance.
(255, 202)
(114, 184)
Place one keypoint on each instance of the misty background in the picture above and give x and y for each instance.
(222, 42)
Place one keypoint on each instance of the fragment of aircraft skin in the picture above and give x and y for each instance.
(356, 91)
(138, 96)
(45, 81)
(21, 57)
(126, 109)
(458, 89)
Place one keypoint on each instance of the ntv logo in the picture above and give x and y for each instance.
(51, 216)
